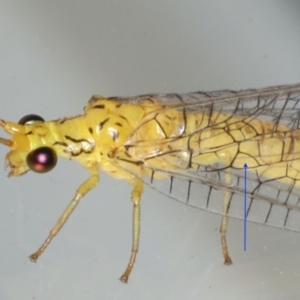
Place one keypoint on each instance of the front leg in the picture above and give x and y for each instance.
(85, 187)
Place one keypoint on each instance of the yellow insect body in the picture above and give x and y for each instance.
(172, 136)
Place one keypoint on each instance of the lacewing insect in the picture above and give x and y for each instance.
(189, 140)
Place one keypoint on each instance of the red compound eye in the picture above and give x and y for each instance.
(42, 160)
(30, 119)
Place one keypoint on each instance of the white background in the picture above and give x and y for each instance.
(53, 56)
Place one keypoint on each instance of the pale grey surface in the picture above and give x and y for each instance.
(53, 57)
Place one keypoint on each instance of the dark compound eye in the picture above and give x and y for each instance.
(42, 160)
(30, 119)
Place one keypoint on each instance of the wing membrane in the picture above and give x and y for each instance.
(272, 200)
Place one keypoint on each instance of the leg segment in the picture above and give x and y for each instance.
(223, 227)
(136, 194)
(85, 187)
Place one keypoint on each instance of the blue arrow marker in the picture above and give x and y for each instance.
(245, 205)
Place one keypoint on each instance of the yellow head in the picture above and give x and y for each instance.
(30, 146)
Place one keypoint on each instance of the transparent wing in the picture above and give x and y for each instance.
(269, 203)
(271, 200)
(277, 104)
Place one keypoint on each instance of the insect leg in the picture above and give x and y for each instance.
(86, 186)
(223, 227)
(136, 194)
